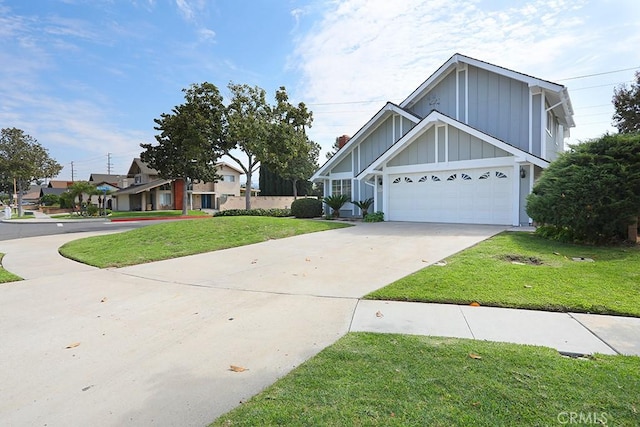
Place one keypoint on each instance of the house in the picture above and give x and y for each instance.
(466, 146)
(148, 191)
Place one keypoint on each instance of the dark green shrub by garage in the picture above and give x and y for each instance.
(306, 208)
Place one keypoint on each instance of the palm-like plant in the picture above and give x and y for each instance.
(335, 202)
(364, 205)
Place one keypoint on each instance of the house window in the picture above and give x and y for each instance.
(341, 186)
(137, 179)
(229, 178)
(397, 180)
(452, 177)
(164, 199)
(485, 175)
(549, 123)
(407, 179)
(423, 179)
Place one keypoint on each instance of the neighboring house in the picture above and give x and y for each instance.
(147, 191)
(117, 181)
(207, 195)
(59, 184)
(464, 147)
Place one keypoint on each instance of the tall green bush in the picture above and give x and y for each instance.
(306, 208)
(592, 192)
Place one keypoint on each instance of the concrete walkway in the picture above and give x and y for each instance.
(153, 343)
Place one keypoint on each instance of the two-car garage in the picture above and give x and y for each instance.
(476, 196)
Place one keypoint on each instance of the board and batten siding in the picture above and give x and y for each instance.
(453, 145)
(381, 138)
(442, 98)
(499, 106)
(345, 165)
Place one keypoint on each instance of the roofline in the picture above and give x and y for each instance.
(434, 117)
(389, 106)
(230, 167)
(459, 58)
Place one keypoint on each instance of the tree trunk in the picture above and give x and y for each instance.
(247, 192)
(632, 234)
(19, 199)
(295, 188)
(184, 197)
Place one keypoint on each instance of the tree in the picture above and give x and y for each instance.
(24, 160)
(249, 118)
(592, 192)
(192, 138)
(626, 101)
(337, 145)
(293, 156)
(77, 191)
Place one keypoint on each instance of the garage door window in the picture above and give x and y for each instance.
(341, 186)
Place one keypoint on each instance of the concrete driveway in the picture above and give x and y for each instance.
(152, 344)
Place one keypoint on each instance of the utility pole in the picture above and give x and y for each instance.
(72, 174)
(109, 163)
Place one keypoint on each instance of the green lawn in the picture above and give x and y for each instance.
(394, 380)
(491, 273)
(5, 276)
(180, 238)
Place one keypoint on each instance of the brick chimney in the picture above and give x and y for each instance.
(342, 140)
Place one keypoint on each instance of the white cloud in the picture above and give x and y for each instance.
(375, 50)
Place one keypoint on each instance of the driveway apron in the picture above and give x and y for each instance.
(155, 343)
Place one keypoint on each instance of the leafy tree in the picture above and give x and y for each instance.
(77, 191)
(592, 192)
(292, 156)
(192, 138)
(22, 158)
(626, 101)
(272, 184)
(249, 119)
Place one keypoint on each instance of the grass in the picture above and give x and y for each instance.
(394, 380)
(549, 279)
(5, 276)
(181, 238)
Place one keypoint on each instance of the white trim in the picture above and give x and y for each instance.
(458, 94)
(369, 127)
(435, 118)
(515, 206)
(462, 164)
(466, 95)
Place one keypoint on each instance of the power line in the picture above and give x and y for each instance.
(598, 74)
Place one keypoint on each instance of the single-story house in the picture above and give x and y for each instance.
(466, 146)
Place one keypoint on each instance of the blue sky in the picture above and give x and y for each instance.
(87, 77)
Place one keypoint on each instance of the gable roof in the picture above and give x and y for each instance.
(136, 189)
(225, 164)
(143, 168)
(556, 93)
(103, 177)
(388, 109)
(437, 117)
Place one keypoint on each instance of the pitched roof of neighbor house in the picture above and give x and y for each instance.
(113, 180)
(141, 167)
(59, 184)
(225, 164)
(50, 190)
(558, 95)
(136, 189)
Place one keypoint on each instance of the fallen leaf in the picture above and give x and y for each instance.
(235, 368)
(475, 356)
(254, 261)
(475, 404)
(307, 259)
(425, 260)
(103, 299)
(528, 286)
(474, 304)
(556, 253)
(74, 345)
(379, 314)
(441, 263)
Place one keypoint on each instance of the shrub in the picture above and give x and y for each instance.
(92, 210)
(256, 212)
(306, 208)
(50, 199)
(364, 205)
(374, 217)
(335, 202)
(590, 193)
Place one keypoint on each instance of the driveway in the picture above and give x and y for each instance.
(153, 344)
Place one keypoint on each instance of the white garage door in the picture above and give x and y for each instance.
(474, 196)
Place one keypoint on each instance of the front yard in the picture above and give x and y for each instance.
(401, 380)
(521, 270)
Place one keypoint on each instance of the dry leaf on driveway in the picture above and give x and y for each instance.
(235, 368)
(379, 314)
(74, 345)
